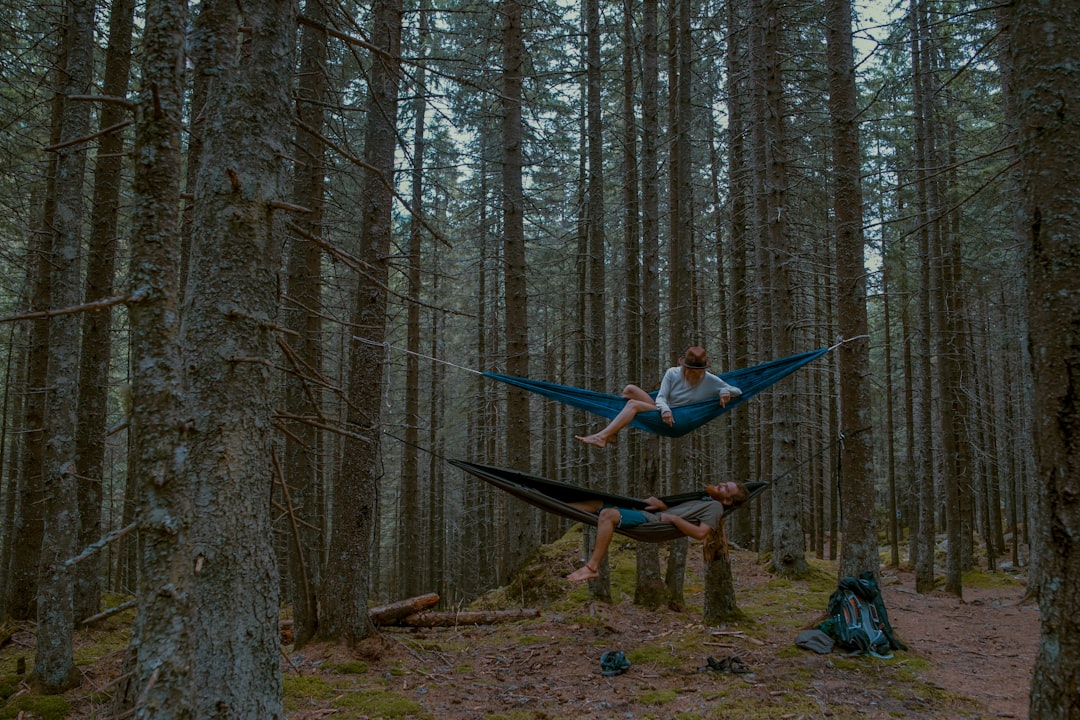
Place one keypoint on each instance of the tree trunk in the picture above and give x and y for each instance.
(209, 50)
(596, 361)
(411, 558)
(356, 488)
(302, 315)
(439, 518)
(521, 523)
(161, 656)
(890, 429)
(30, 490)
(228, 340)
(789, 542)
(9, 450)
(54, 667)
(649, 590)
(739, 192)
(924, 434)
(719, 601)
(1044, 44)
(860, 550)
(681, 305)
(97, 326)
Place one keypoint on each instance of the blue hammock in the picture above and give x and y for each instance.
(751, 381)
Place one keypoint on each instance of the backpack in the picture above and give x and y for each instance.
(857, 619)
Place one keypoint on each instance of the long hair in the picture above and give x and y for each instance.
(715, 542)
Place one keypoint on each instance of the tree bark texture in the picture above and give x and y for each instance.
(521, 521)
(739, 210)
(860, 549)
(345, 597)
(96, 343)
(789, 542)
(210, 45)
(1045, 48)
(54, 667)
(303, 442)
(411, 555)
(227, 331)
(925, 541)
(650, 590)
(161, 652)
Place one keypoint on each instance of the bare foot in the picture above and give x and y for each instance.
(586, 572)
(594, 440)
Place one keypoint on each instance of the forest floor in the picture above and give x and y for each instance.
(969, 658)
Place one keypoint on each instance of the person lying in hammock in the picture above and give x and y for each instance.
(686, 384)
(698, 519)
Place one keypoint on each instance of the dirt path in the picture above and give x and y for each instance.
(982, 647)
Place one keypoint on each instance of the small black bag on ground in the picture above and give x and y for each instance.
(857, 618)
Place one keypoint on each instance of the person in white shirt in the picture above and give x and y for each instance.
(688, 383)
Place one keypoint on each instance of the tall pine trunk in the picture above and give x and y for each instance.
(412, 560)
(521, 522)
(924, 543)
(228, 336)
(160, 658)
(860, 549)
(789, 542)
(1045, 47)
(96, 331)
(54, 667)
(355, 493)
(303, 442)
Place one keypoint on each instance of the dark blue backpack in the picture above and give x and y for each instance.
(857, 619)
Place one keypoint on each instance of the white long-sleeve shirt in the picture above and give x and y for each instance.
(675, 391)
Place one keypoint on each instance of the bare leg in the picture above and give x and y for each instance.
(605, 530)
(637, 400)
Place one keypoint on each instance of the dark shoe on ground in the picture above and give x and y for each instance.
(733, 664)
(613, 662)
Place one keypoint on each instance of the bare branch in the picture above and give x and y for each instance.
(88, 138)
(87, 307)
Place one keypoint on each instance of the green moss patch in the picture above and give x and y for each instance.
(379, 704)
(350, 667)
(657, 697)
(40, 707)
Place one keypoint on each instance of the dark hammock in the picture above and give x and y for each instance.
(751, 381)
(555, 497)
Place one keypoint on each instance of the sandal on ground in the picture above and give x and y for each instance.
(733, 664)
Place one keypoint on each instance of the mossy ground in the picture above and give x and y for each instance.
(547, 668)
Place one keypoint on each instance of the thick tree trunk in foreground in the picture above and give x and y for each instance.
(1044, 52)
(228, 341)
(161, 683)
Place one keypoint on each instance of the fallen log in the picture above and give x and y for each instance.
(466, 617)
(394, 612)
